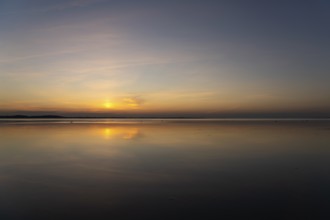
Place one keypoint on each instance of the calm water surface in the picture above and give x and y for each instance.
(156, 169)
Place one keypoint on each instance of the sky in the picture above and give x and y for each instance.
(165, 58)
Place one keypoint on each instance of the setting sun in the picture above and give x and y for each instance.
(108, 104)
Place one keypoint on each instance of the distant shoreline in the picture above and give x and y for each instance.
(168, 117)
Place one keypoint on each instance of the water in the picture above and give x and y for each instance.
(164, 169)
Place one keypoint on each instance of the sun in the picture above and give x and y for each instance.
(108, 104)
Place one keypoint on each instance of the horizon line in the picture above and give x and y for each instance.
(156, 117)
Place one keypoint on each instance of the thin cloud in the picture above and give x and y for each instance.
(134, 102)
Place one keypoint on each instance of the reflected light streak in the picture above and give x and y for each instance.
(122, 133)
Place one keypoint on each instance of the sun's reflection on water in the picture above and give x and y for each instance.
(127, 133)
